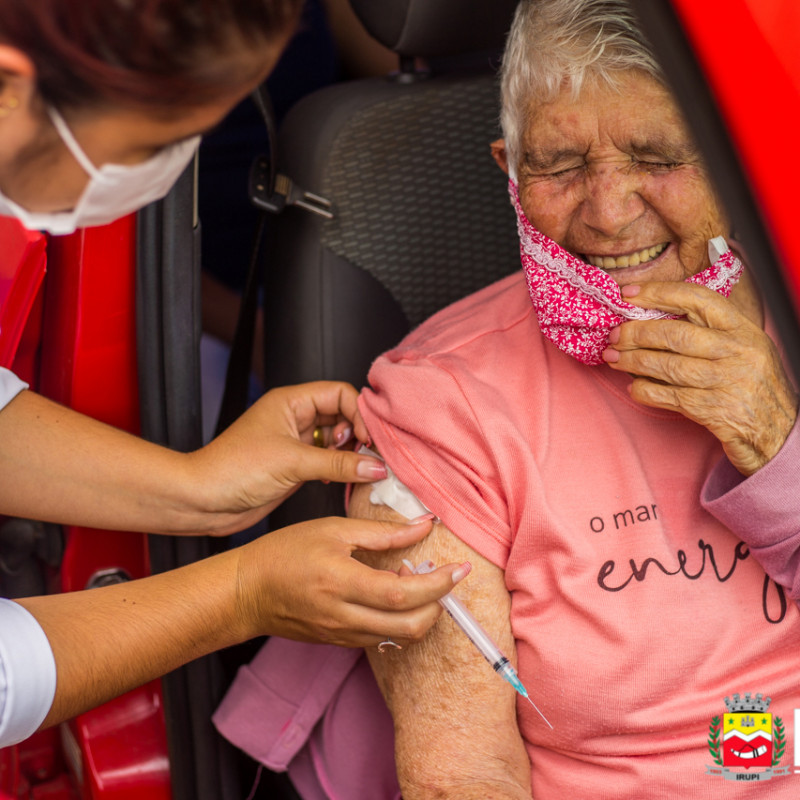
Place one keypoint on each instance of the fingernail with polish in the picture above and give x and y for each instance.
(613, 335)
(423, 518)
(461, 572)
(372, 469)
(343, 437)
(630, 291)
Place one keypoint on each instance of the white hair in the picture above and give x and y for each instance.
(558, 44)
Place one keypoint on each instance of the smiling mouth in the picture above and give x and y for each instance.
(630, 260)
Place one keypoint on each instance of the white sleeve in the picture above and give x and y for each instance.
(10, 386)
(27, 674)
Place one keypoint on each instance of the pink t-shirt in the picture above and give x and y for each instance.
(635, 612)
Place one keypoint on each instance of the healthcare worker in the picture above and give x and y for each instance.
(102, 103)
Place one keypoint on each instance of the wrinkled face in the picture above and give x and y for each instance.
(615, 178)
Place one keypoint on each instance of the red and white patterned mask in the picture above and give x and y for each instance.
(577, 304)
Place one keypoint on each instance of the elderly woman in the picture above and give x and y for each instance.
(610, 440)
(620, 516)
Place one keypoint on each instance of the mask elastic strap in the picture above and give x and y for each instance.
(72, 144)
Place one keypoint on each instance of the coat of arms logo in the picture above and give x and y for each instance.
(745, 739)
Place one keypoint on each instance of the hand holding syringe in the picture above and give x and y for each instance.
(478, 636)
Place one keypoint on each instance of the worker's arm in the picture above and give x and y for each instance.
(456, 732)
(299, 582)
(60, 466)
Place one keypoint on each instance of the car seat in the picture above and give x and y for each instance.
(420, 218)
(421, 215)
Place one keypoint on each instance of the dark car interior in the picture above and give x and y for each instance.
(414, 216)
(419, 217)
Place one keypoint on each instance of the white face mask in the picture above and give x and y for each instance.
(113, 191)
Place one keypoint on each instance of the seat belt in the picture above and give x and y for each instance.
(271, 192)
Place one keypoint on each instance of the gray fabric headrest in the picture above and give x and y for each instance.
(433, 28)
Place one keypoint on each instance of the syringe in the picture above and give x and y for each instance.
(478, 636)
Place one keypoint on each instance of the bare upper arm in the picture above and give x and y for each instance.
(455, 719)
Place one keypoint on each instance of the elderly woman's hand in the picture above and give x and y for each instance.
(714, 366)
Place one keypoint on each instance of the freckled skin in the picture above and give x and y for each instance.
(616, 173)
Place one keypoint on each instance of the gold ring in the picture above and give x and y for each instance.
(317, 438)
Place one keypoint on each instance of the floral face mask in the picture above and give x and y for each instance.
(578, 304)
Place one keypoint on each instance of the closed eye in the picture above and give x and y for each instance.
(658, 166)
(564, 172)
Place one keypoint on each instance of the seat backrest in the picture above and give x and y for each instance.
(421, 212)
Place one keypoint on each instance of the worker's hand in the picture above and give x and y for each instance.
(713, 365)
(270, 451)
(301, 582)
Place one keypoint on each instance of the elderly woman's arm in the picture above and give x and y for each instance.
(456, 733)
(763, 511)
